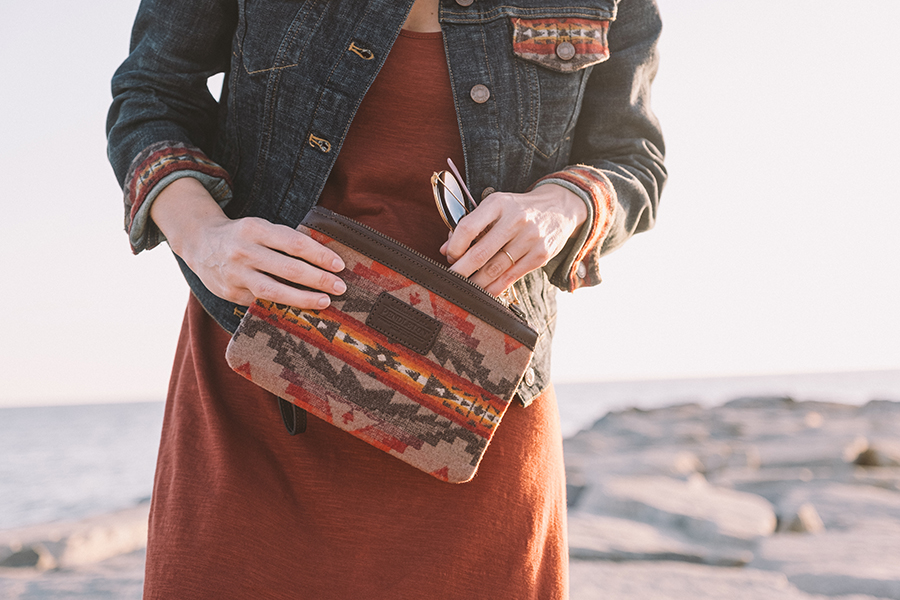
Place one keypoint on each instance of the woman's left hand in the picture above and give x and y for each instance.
(521, 233)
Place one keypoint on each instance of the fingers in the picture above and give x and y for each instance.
(501, 224)
(474, 227)
(505, 268)
(296, 244)
(252, 258)
(261, 285)
(510, 235)
(287, 257)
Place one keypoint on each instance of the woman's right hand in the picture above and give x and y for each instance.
(243, 259)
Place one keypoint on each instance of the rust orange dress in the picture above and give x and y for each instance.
(243, 510)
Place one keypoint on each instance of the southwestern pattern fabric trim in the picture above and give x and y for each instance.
(158, 162)
(437, 411)
(564, 45)
(603, 199)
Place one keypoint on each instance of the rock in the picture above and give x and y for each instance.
(71, 544)
(120, 577)
(777, 484)
(805, 520)
(862, 560)
(887, 478)
(763, 419)
(595, 537)
(686, 463)
(35, 556)
(841, 505)
(774, 475)
(671, 461)
(827, 468)
(680, 581)
(696, 508)
(634, 427)
(882, 408)
(856, 448)
(813, 419)
(884, 453)
(762, 402)
(810, 448)
(575, 486)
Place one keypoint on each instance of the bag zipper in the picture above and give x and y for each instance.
(517, 313)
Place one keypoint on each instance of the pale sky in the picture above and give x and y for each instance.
(775, 250)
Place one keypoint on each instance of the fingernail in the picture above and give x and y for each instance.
(324, 301)
(337, 265)
(339, 287)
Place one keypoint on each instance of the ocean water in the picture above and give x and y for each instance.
(70, 462)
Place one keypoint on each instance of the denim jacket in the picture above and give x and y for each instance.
(546, 91)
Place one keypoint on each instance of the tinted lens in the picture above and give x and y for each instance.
(449, 196)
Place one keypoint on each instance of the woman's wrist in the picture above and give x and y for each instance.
(571, 205)
(182, 209)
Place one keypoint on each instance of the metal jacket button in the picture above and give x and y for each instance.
(487, 192)
(363, 53)
(566, 51)
(480, 93)
(581, 271)
(465, 2)
(529, 376)
(320, 143)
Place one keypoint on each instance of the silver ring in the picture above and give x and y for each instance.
(511, 259)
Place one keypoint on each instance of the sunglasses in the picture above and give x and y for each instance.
(453, 199)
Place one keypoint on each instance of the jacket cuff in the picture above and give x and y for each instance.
(577, 265)
(151, 171)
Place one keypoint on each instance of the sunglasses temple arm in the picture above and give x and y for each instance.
(462, 184)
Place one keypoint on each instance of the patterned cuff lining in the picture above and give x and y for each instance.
(591, 182)
(154, 168)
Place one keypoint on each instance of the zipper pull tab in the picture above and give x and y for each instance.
(518, 312)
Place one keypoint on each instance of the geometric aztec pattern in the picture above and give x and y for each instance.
(537, 40)
(436, 411)
(600, 190)
(158, 161)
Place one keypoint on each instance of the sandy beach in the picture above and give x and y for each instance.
(760, 498)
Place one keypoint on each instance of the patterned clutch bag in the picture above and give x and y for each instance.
(413, 358)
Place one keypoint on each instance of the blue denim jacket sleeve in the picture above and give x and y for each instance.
(618, 149)
(162, 121)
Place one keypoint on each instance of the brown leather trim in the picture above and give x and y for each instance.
(422, 270)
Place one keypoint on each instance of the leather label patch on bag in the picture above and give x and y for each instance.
(403, 324)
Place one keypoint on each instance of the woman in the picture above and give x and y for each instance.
(352, 105)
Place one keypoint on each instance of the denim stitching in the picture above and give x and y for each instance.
(527, 108)
(487, 65)
(454, 92)
(265, 141)
(289, 40)
(315, 112)
(507, 11)
(285, 43)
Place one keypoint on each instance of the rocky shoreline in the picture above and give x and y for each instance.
(761, 498)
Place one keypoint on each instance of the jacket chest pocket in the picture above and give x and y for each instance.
(269, 34)
(553, 56)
